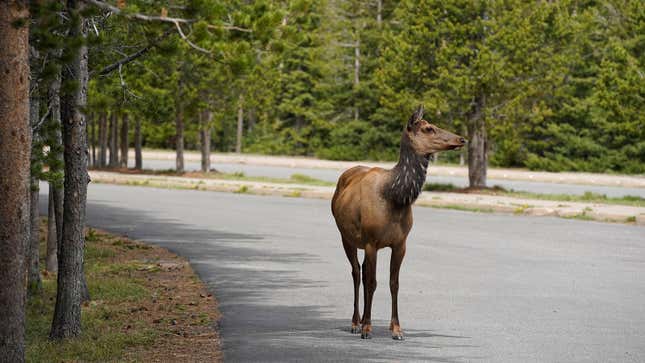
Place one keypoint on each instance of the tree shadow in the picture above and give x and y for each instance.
(253, 284)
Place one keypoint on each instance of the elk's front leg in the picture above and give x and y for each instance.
(352, 256)
(369, 285)
(395, 264)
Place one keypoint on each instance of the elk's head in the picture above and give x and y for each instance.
(426, 138)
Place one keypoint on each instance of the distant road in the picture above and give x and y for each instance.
(475, 287)
(459, 181)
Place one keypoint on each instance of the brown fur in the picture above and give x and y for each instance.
(372, 209)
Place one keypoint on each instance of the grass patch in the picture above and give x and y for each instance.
(581, 216)
(440, 187)
(116, 289)
(463, 208)
(293, 194)
(238, 175)
(521, 209)
(243, 189)
(147, 304)
(587, 197)
(306, 179)
(105, 333)
(293, 179)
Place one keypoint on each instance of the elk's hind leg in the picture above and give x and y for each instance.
(352, 256)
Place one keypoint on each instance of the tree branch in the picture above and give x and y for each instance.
(134, 55)
(347, 45)
(42, 119)
(115, 10)
(184, 37)
(230, 27)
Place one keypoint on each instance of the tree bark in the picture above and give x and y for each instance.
(179, 129)
(240, 125)
(124, 141)
(379, 12)
(92, 123)
(51, 262)
(56, 168)
(252, 119)
(114, 136)
(34, 284)
(103, 140)
(138, 160)
(357, 72)
(67, 314)
(205, 136)
(15, 146)
(477, 144)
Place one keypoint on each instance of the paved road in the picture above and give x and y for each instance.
(332, 175)
(474, 287)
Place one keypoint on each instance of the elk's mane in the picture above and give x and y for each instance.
(408, 175)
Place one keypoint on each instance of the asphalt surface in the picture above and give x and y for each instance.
(474, 286)
(332, 175)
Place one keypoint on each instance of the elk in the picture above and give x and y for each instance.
(372, 209)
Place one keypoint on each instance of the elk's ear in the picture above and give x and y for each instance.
(416, 117)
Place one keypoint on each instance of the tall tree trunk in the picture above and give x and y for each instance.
(379, 12)
(477, 145)
(205, 138)
(56, 168)
(357, 72)
(138, 160)
(34, 284)
(124, 141)
(51, 262)
(15, 146)
(92, 139)
(88, 124)
(114, 138)
(240, 124)
(67, 314)
(33, 274)
(179, 130)
(103, 139)
(252, 119)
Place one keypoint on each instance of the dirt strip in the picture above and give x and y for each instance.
(475, 202)
(631, 181)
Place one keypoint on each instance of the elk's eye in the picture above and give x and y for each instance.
(429, 130)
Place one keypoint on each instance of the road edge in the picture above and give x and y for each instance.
(467, 202)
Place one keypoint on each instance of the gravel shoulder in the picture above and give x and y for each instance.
(474, 202)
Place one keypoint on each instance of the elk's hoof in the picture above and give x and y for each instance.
(366, 335)
(355, 329)
(397, 336)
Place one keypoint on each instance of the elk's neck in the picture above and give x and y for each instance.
(407, 176)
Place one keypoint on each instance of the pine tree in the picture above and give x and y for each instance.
(15, 146)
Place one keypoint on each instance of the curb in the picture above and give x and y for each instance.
(579, 178)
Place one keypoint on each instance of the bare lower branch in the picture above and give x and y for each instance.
(134, 55)
(347, 45)
(176, 21)
(115, 10)
(42, 119)
(230, 27)
(184, 37)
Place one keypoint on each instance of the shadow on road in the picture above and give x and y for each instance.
(253, 283)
